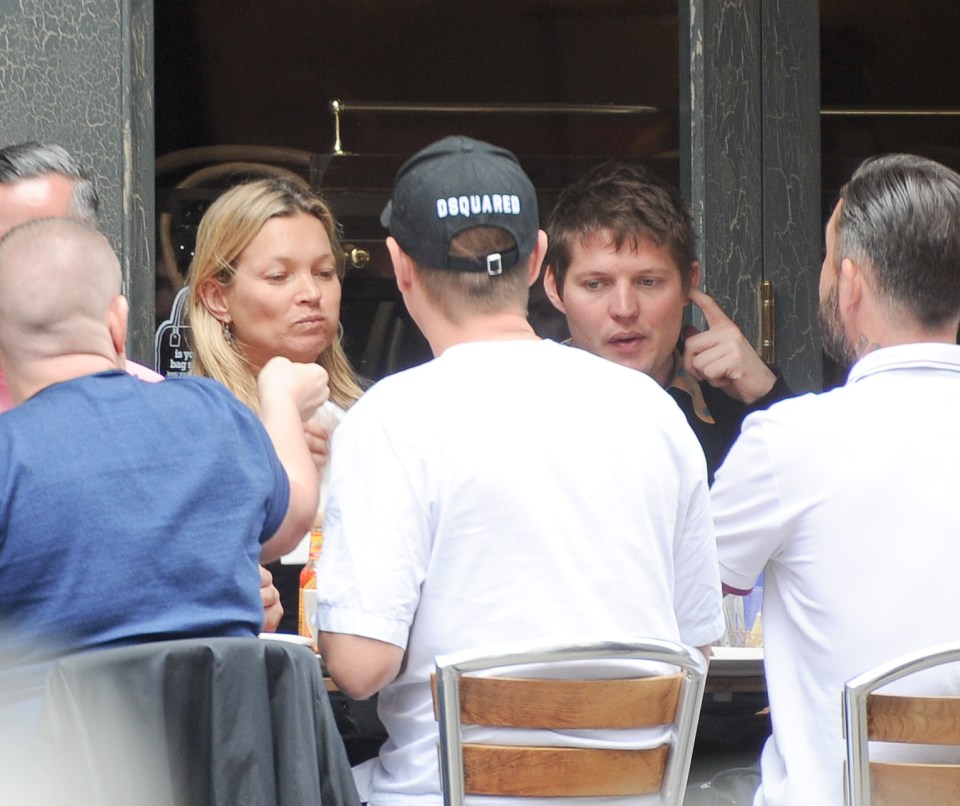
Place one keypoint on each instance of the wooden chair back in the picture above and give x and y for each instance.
(907, 719)
(551, 704)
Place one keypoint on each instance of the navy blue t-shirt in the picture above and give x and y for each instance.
(133, 511)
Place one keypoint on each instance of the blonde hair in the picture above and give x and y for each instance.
(226, 229)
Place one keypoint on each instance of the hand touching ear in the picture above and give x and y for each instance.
(723, 357)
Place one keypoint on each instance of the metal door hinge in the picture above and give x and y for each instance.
(767, 319)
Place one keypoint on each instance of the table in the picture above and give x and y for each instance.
(732, 669)
(736, 669)
(735, 694)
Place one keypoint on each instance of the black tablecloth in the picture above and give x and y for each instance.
(197, 722)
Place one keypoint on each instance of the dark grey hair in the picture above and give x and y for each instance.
(900, 214)
(33, 160)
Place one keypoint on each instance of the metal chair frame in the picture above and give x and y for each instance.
(858, 730)
(450, 668)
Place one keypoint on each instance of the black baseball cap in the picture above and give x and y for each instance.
(456, 184)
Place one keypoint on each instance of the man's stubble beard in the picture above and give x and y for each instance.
(835, 342)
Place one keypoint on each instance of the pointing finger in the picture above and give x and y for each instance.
(712, 312)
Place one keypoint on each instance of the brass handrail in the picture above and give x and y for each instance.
(880, 111)
(338, 106)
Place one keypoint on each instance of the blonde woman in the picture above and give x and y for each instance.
(265, 280)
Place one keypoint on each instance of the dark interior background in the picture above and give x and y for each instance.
(254, 71)
(263, 73)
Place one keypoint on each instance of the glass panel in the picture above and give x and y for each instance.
(890, 81)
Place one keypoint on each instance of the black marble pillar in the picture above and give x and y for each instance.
(80, 73)
(750, 140)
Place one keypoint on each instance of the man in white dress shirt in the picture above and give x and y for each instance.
(847, 500)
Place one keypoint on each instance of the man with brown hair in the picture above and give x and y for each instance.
(622, 267)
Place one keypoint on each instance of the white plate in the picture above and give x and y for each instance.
(291, 639)
(736, 661)
(737, 653)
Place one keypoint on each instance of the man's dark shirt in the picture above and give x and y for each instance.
(727, 414)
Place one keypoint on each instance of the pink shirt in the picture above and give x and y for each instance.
(137, 370)
(142, 372)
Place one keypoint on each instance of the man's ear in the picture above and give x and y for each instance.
(694, 277)
(402, 264)
(536, 258)
(214, 300)
(117, 324)
(552, 290)
(851, 285)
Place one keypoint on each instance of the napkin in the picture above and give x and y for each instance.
(329, 416)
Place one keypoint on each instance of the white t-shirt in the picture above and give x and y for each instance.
(510, 491)
(847, 501)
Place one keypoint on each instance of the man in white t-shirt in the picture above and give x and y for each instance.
(511, 489)
(847, 500)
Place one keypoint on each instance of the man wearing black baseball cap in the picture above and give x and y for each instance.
(464, 224)
(507, 490)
